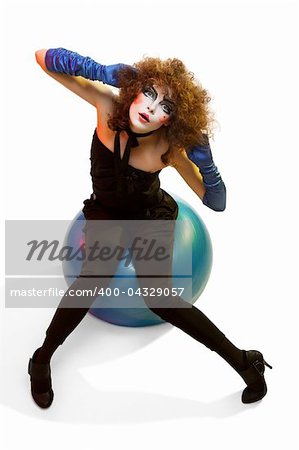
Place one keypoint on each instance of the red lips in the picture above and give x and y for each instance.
(145, 116)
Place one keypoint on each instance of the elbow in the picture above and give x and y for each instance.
(40, 56)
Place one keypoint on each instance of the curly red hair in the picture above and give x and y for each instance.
(192, 118)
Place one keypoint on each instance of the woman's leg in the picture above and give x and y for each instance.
(73, 308)
(187, 317)
(174, 309)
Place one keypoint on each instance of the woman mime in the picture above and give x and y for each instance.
(160, 118)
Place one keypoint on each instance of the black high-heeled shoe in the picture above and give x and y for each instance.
(254, 377)
(39, 371)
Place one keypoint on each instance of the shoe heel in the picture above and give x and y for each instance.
(268, 365)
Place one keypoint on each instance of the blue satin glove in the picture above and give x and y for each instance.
(215, 195)
(65, 61)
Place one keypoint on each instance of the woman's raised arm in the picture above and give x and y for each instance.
(93, 92)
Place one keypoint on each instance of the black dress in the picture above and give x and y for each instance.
(121, 191)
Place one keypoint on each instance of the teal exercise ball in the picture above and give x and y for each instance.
(190, 233)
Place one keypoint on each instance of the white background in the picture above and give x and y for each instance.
(148, 388)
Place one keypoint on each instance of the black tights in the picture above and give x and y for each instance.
(174, 310)
(189, 319)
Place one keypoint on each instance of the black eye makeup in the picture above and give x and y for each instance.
(167, 109)
(150, 91)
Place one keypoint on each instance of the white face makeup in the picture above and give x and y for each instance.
(150, 110)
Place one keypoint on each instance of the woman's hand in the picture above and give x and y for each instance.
(97, 94)
(201, 154)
